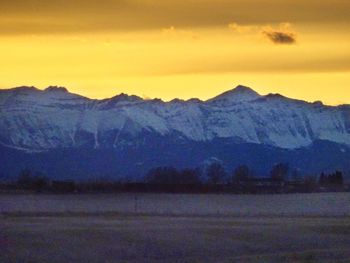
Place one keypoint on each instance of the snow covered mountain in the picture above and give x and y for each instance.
(35, 120)
(130, 131)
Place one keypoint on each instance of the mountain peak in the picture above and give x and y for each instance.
(23, 89)
(125, 97)
(243, 89)
(238, 94)
(56, 89)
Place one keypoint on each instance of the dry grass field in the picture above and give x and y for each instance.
(175, 228)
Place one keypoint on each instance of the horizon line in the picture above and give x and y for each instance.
(146, 98)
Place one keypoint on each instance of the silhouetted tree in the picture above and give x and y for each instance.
(215, 173)
(323, 179)
(295, 175)
(279, 172)
(162, 175)
(40, 182)
(170, 175)
(27, 180)
(24, 178)
(241, 173)
(334, 179)
(190, 176)
(63, 186)
(338, 178)
(310, 183)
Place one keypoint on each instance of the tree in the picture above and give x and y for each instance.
(241, 173)
(323, 179)
(215, 173)
(162, 175)
(170, 175)
(310, 183)
(335, 178)
(40, 182)
(332, 179)
(27, 180)
(279, 172)
(190, 176)
(339, 180)
(295, 176)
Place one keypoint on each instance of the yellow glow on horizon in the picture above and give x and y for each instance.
(201, 58)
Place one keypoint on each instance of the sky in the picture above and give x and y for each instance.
(178, 48)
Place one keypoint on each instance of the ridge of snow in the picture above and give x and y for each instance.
(39, 120)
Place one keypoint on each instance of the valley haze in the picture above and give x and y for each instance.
(65, 135)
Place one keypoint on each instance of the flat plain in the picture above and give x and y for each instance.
(175, 228)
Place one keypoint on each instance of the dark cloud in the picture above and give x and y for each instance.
(279, 37)
(284, 34)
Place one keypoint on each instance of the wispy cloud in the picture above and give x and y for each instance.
(283, 34)
(241, 28)
(179, 33)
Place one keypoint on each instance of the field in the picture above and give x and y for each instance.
(175, 228)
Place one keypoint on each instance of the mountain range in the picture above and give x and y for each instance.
(65, 135)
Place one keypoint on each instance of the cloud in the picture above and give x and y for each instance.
(179, 33)
(241, 29)
(175, 33)
(278, 37)
(282, 35)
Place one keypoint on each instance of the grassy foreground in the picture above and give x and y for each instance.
(173, 239)
(104, 234)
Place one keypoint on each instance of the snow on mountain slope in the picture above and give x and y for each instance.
(33, 119)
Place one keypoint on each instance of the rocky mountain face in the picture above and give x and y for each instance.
(40, 122)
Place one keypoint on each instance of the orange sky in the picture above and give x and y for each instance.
(168, 49)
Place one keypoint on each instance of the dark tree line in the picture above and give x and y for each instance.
(331, 179)
(30, 181)
(280, 172)
(214, 174)
(213, 178)
(27, 180)
(170, 175)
